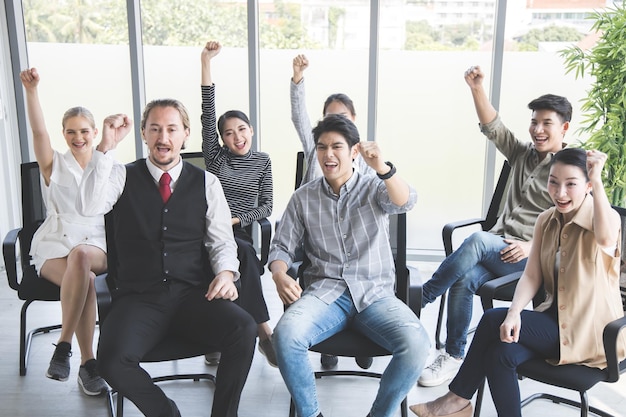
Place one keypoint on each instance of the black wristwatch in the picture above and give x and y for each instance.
(389, 174)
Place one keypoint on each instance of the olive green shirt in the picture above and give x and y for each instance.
(527, 194)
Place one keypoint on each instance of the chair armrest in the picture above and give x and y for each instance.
(266, 236)
(9, 246)
(449, 228)
(609, 336)
(489, 289)
(103, 296)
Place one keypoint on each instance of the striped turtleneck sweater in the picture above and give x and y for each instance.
(246, 179)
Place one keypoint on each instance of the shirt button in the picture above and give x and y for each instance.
(345, 236)
(564, 326)
(561, 307)
(564, 235)
(167, 272)
(164, 253)
(166, 210)
(561, 288)
(564, 253)
(164, 227)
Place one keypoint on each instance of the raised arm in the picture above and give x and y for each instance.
(606, 221)
(210, 139)
(299, 115)
(103, 180)
(397, 188)
(474, 77)
(41, 139)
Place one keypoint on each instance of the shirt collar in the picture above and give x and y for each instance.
(156, 172)
(346, 187)
(583, 217)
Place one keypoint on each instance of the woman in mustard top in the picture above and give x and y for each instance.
(575, 256)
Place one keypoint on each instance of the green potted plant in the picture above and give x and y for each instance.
(604, 108)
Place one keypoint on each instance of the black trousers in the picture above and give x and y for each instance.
(251, 296)
(138, 321)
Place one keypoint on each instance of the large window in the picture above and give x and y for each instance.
(424, 116)
(80, 49)
(333, 36)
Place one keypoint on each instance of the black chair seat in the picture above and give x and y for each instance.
(33, 287)
(574, 377)
(349, 343)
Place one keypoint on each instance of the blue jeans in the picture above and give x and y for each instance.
(475, 262)
(388, 322)
(498, 361)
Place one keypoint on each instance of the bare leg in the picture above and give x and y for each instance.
(264, 330)
(75, 275)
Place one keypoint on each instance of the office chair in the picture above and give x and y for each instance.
(486, 223)
(21, 275)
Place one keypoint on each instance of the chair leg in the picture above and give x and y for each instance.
(292, 408)
(110, 403)
(583, 405)
(120, 405)
(26, 338)
(442, 307)
(479, 399)
(404, 408)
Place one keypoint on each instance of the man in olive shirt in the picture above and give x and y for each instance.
(503, 249)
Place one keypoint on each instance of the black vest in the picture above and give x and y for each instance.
(153, 241)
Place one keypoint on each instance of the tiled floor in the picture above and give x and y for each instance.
(265, 394)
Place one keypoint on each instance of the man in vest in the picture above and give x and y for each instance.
(176, 261)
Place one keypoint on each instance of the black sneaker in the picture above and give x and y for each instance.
(59, 368)
(364, 361)
(90, 382)
(328, 361)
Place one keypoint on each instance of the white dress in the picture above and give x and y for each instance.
(64, 228)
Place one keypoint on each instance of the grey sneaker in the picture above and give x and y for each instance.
(89, 380)
(59, 368)
(267, 349)
(212, 359)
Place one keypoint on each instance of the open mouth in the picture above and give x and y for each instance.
(562, 204)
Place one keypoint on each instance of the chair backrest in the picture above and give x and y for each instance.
(497, 200)
(397, 239)
(194, 158)
(300, 167)
(33, 207)
(622, 213)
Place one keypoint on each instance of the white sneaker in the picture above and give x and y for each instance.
(441, 370)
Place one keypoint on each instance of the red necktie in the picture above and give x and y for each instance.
(164, 186)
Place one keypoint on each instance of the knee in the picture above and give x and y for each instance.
(477, 240)
(286, 337)
(417, 343)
